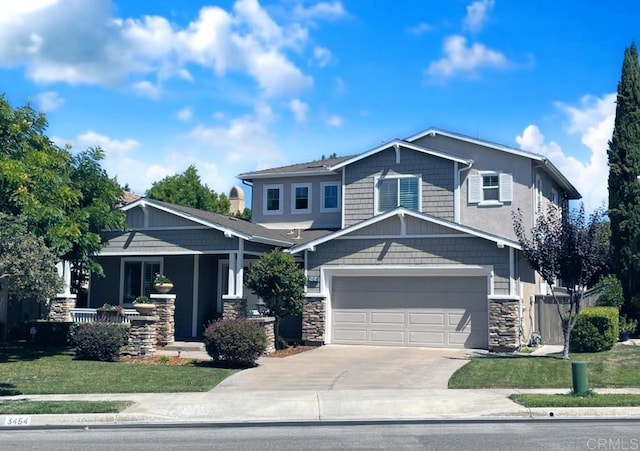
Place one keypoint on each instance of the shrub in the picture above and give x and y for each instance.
(48, 333)
(235, 342)
(99, 341)
(596, 330)
(612, 295)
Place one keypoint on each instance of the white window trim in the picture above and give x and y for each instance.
(395, 177)
(265, 189)
(300, 211)
(478, 192)
(323, 209)
(142, 260)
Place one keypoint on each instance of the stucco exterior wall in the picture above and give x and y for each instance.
(315, 219)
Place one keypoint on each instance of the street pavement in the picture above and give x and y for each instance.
(353, 395)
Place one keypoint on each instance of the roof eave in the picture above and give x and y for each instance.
(273, 175)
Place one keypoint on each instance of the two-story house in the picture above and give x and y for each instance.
(407, 244)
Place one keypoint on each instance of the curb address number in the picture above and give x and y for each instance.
(17, 420)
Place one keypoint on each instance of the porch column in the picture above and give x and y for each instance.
(240, 269)
(231, 289)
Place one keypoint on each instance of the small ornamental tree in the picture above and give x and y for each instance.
(278, 280)
(564, 245)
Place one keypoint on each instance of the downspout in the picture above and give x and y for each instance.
(456, 192)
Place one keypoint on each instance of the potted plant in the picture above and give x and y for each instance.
(162, 283)
(110, 313)
(627, 327)
(143, 305)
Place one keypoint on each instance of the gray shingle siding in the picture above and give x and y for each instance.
(414, 251)
(105, 289)
(168, 241)
(437, 183)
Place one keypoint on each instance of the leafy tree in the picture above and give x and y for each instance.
(564, 245)
(187, 189)
(27, 265)
(68, 200)
(624, 185)
(278, 280)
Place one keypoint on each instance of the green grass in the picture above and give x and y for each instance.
(619, 367)
(61, 407)
(569, 400)
(28, 370)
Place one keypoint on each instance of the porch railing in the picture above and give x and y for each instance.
(90, 315)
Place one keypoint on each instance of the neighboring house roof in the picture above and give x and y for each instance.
(231, 225)
(329, 165)
(127, 198)
(317, 167)
(547, 165)
(399, 212)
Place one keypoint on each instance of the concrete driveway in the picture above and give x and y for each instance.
(340, 367)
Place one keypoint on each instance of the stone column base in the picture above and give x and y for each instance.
(504, 325)
(142, 336)
(268, 324)
(314, 321)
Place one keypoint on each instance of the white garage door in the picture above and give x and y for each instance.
(410, 311)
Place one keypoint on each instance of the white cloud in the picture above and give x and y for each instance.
(321, 10)
(80, 42)
(334, 121)
(245, 138)
(419, 29)
(146, 89)
(592, 120)
(322, 56)
(477, 15)
(465, 60)
(299, 110)
(49, 101)
(185, 114)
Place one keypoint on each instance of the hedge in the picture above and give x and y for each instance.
(596, 330)
(235, 342)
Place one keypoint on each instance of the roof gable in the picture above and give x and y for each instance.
(402, 212)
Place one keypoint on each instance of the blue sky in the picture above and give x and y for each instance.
(234, 86)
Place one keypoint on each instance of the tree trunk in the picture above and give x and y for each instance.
(4, 310)
(566, 331)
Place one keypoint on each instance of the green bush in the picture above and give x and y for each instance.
(235, 342)
(596, 330)
(612, 295)
(99, 341)
(48, 333)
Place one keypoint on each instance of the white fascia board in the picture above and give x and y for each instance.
(211, 225)
(401, 210)
(397, 142)
(273, 175)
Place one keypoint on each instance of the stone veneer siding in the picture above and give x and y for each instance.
(504, 325)
(142, 336)
(268, 325)
(60, 308)
(234, 308)
(165, 310)
(314, 320)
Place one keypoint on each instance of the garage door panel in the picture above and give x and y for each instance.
(410, 311)
(388, 318)
(432, 319)
(430, 339)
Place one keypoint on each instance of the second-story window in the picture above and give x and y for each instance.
(398, 191)
(301, 198)
(272, 202)
(330, 196)
(490, 188)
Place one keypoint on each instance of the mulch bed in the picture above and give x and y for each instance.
(158, 360)
(280, 353)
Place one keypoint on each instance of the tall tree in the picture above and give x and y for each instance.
(27, 266)
(624, 181)
(187, 189)
(564, 245)
(278, 280)
(68, 200)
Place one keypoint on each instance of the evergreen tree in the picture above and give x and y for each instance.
(624, 182)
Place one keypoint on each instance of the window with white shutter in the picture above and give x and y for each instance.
(489, 188)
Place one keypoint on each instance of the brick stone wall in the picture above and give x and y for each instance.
(142, 336)
(504, 325)
(234, 308)
(60, 308)
(313, 321)
(165, 310)
(268, 323)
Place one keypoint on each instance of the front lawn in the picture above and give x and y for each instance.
(619, 367)
(61, 407)
(29, 370)
(569, 400)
